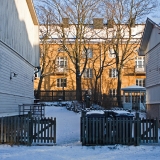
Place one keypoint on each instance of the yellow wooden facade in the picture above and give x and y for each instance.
(131, 75)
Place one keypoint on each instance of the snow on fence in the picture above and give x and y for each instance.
(106, 131)
(27, 130)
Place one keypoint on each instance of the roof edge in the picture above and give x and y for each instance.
(32, 11)
(146, 35)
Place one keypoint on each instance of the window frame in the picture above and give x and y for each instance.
(88, 73)
(59, 60)
(142, 81)
(140, 59)
(59, 82)
(111, 53)
(112, 73)
(89, 53)
(113, 92)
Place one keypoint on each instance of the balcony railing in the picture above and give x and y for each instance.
(61, 70)
(139, 69)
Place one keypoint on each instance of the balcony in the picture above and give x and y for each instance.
(61, 70)
(140, 69)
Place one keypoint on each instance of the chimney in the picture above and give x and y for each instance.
(65, 22)
(98, 23)
(110, 23)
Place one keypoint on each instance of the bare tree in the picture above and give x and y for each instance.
(122, 16)
(46, 49)
(72, 20)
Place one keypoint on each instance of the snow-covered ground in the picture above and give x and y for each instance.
(68, 145)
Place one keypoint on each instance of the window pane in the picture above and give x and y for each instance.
(62, 82)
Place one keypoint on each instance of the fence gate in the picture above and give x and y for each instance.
(27, 130)
(43, 130)
(149, 130)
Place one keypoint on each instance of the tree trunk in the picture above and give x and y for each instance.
(78, 88)
(95, 91)
(119, 89)
(37, 96)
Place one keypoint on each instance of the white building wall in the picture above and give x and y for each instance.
(19, 53)
(19, 89)
(154, 39)
(152, 60)
(18, 30)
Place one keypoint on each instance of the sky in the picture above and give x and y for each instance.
(68, 146)
(155, 16)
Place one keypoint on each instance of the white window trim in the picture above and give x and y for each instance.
(63, 60)
(61, 64)
(113, 92)
(88, 73)
(142, 82)
(112, 71)
(89, 53)
(60, 82)
(138, 60)
(111, 53)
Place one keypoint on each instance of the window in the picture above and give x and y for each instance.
(61, 62)
(113, 73)
(62, 82)
(111, 53)
(140, 82)
(113, 92)
(88, 73)
(139, 62)
(87, 52)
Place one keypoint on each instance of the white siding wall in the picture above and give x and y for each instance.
(19, 89)
(18, 30)
(19, 52)
(154, 39)
(152, 60)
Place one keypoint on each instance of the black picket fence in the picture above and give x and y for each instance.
(26, 130)
(105, 131)
(52, 95)
(106, 101)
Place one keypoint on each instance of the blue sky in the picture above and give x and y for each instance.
(155, 16)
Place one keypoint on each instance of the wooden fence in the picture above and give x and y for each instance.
(106, 101)
(105, 131)
(52, 95)
(27, 130)
(37, 110)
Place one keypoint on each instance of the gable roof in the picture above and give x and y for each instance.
(146, 35)
(32, 11)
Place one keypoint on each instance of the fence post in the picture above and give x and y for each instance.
(30, 128)
(83, 113)
(54, 130)
(137, 130)
(63, 94)
(156, 130)
(52, 95)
